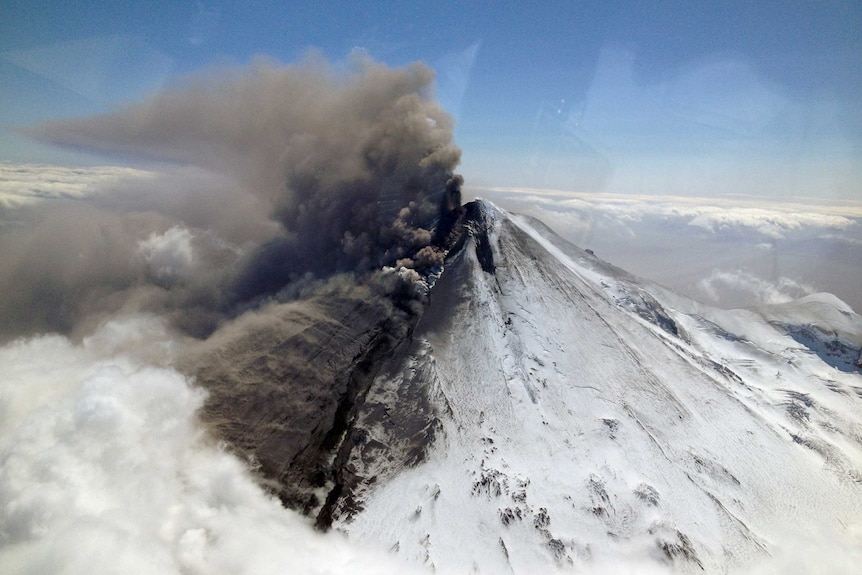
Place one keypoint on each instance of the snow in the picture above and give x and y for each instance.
(579, 432)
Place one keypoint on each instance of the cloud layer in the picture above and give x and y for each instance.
(106, 470)
(781, 291)
(772, 220)
(26, 184)
(730, 252)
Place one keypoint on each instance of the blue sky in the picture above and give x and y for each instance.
(689, 98)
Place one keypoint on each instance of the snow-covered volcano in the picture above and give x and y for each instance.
(546, 410)
(534, 409)
(574, 415)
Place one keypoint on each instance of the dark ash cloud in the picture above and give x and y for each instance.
(319, 172)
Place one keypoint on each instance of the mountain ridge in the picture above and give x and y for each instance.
(566, 441)
(551, 409)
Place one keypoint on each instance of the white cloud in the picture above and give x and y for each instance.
(187, 256)
(106, 470)
(720, 284)
(22, 184)
(170, 254)
(841, 239)
(771, 223)
(771, 219)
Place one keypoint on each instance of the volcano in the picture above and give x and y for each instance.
(546, 410)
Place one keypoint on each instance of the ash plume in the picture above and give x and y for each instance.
(346, 172)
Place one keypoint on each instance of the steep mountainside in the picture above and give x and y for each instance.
(544, 410)
(575, 415)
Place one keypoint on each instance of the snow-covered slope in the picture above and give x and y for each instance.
(585, 418)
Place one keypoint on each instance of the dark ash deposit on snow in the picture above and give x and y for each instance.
(300, 278)
(291, 390)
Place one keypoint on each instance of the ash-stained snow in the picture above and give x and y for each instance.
(590, 420)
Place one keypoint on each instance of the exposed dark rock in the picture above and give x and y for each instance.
(477, 224)
(612, 425)
(490, 483)
(837, 352)
(646, 306)
(542, 520)
(558, 548)
(509, 515)
(647, 494)
(679, 550)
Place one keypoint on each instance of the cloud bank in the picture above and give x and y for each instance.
(106, 470)
(772, 220)
(781, 291)
(26, 184)
(730, 251)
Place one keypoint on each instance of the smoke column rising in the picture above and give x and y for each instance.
(349, 171)
(285, 179)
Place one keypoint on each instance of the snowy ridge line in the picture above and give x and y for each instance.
(583, 273)
(830, 321)
(588, 425)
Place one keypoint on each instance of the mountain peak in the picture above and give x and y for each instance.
(578, 417)
(550, 409)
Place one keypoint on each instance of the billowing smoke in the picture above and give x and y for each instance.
(318, 172)
(277, 183)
